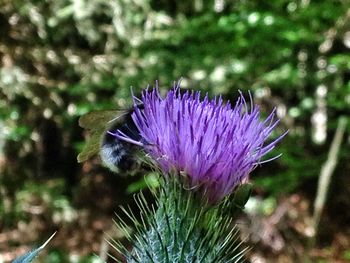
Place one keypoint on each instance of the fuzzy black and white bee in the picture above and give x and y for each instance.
(116, 154)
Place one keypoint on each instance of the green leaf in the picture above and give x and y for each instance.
(242, 195)
(151, 180)
(26, 258)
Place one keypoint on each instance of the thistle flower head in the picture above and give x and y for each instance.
(215, 145)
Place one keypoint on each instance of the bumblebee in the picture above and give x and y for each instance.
(115, 154)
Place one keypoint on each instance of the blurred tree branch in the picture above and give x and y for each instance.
(326, 175)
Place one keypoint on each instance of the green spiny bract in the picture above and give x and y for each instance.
(181, 229)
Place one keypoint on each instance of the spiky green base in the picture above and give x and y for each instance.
(182, 229)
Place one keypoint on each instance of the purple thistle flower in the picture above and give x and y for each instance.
(214, 144)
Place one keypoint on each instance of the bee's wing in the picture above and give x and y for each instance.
(91, 147)
(96, 119)
(97, 123)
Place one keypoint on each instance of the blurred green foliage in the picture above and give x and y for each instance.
(57, 256)
(61, 59)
